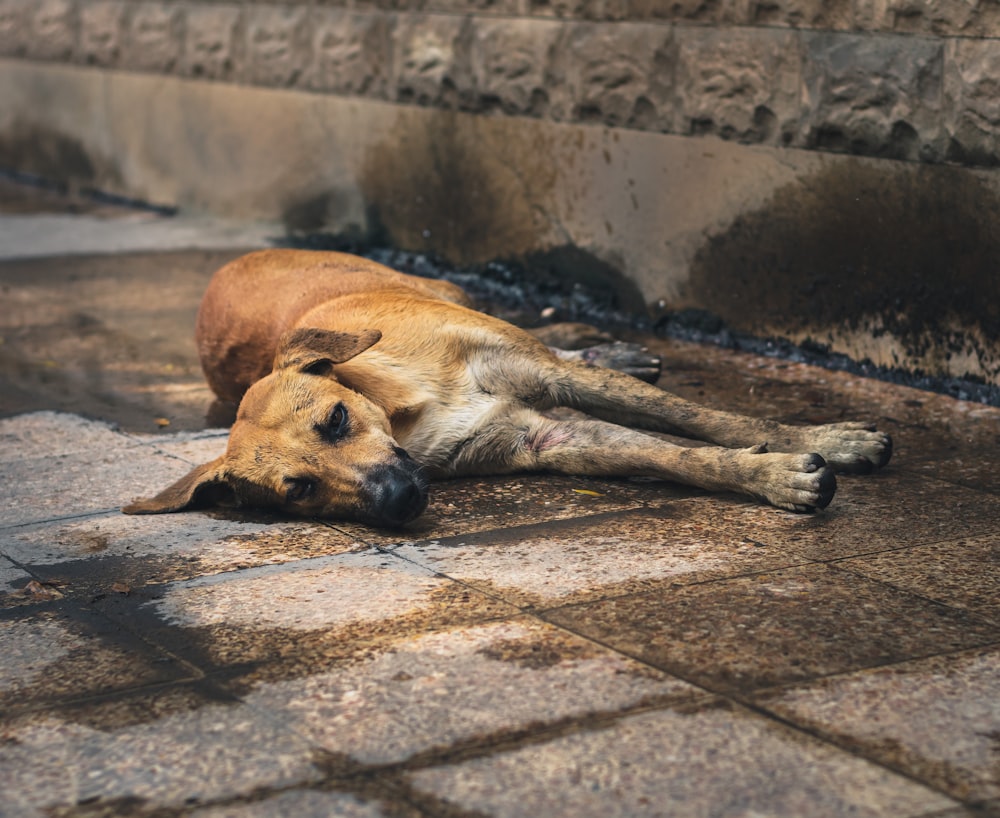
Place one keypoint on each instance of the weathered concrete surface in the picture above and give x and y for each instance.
(883, 260)
(544, 645)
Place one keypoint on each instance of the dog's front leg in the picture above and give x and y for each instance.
(528, 441)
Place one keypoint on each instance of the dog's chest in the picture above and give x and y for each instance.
(440, 429)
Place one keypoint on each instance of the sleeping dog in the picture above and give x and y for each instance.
(356, 383)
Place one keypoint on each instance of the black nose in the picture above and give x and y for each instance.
(398, 495)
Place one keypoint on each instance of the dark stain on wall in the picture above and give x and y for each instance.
(427, 190)
(48, 154)
(908, 250)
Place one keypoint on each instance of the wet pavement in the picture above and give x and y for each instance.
(534, 645)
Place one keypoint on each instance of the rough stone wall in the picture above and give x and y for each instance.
(901, 79)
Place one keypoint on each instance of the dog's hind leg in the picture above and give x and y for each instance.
(525, 440)
(609, 395)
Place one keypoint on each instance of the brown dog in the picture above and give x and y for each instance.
(356, 381)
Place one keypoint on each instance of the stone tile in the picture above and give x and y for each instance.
(196, 752)
(462, 687)
(60, 653)
(467, 505)
(368, 585)
(711, 760)
(961, 574)
(774, 628)
(47, 434)
(57, 465)
(139, 550)
(937, 720)
(192, 447)
(601, 556)
(307, 804)
(892, 509)
(972, 471)
(292, 618)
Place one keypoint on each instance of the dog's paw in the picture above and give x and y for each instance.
(854, 448)
(794, 482)
(632, 359)
(570, 335)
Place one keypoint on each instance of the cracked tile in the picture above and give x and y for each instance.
(600, 556)
(963, 573)
(308, 804)
(57, 465)
(897, 508)
(166, 547)
(288, 619)
(60, 653)
(214, 751)
(936, 719)
(773, 628)
(463, 686)
(711, 760)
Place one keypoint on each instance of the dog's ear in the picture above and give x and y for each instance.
(204, 486)
(316, 350)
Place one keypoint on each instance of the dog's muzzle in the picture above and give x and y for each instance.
(396, 493)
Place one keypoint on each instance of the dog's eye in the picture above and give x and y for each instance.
(298, 489)
(336, 424)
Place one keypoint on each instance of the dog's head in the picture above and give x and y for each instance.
(305, 444)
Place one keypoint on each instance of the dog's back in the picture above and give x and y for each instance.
(251, 301)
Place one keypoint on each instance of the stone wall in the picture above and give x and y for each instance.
(818, 171)
(904, 79)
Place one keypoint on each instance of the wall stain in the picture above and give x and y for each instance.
(439, 186)
(909, 252)
(53, 155)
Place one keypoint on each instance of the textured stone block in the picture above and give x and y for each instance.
(972, 101)
(738, 84)
(684, 761)
(213, 45)
(53, 30)
(154, 37)
(696, 11)
(351, 52)
(823, 14)
(102, 26)
(969, 18)
(873, 94)
(619, 75)
(277, 44)
(509, 62)
(579, 9)
(431, 59)
(15, 26)
(509, 8)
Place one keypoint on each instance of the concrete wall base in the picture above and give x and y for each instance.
(879, 259)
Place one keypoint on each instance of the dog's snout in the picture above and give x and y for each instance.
(398, 495)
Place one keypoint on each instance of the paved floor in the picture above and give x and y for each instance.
(531, 646)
